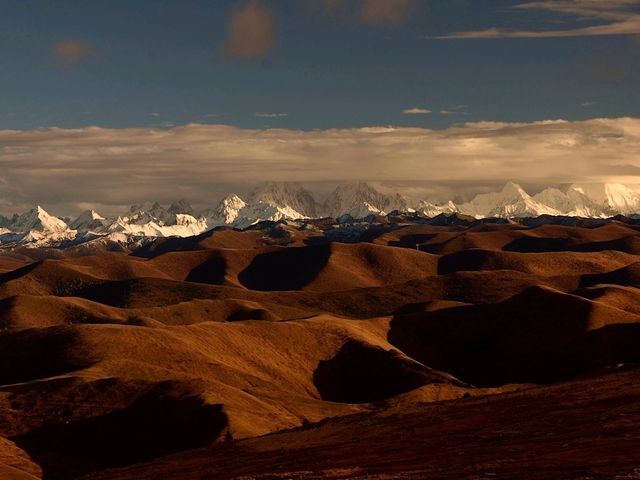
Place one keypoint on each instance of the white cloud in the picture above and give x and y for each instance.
(62, 168)
(416, 111)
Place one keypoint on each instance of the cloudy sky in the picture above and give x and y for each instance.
(111, 103)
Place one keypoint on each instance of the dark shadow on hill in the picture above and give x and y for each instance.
(212, 271)
(316, 240)
(19, 272)
(363, 373)
(146, 292)
(251, 314)
(465, 260)
(52, 275)
(39, 353)
(165, 420)
(538, 336)
(285, 269)
(540, 245)
(351, 233)
(413, 241)
(537, 245)
(114, 293)
(628, 276)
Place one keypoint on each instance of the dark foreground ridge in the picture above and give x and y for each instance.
(405, 350)
(588, 428)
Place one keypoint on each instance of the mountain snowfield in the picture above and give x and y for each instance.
(276, 201)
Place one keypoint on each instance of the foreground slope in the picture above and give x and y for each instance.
(110, 360)
(586, 428)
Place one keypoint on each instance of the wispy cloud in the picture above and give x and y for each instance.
(87, 164)
(251, 32)
(72, 51)
(457, 110)
(416, 111)
(611, 17)
(271, 115)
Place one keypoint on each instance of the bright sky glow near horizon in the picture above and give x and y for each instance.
(116, 102)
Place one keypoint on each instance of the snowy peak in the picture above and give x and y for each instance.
(88, 220)
(361, 210)
(512, 201)
(39, 220)
(147, 220)
(617, 198)
(289, 197)
(226, 212)
(581, 200)
(430, 210)
(147, 212)
(360, 199)
(571, 202)
(37, 228)
(513, 191)
(258, 212)
(277, 201)
(183, 219)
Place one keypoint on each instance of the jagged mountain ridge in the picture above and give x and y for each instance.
(226, 212)
(511, 201)
(274, 201)
(290, 197)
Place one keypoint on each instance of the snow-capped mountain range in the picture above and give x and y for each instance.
(276, 201)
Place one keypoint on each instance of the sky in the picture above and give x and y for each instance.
(104, 103)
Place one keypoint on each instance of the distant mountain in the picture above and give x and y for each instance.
(226, 212)
(430, 210)
(511, 201)
(180, 225)
(39, 220)
(276, 201)
(291, 198)
(615, 197)
(181, 207)
(89, 220)
(571, 202)
(142, 214)
(397, 203)
(36, 227)
(359, 199)
(261, 211)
